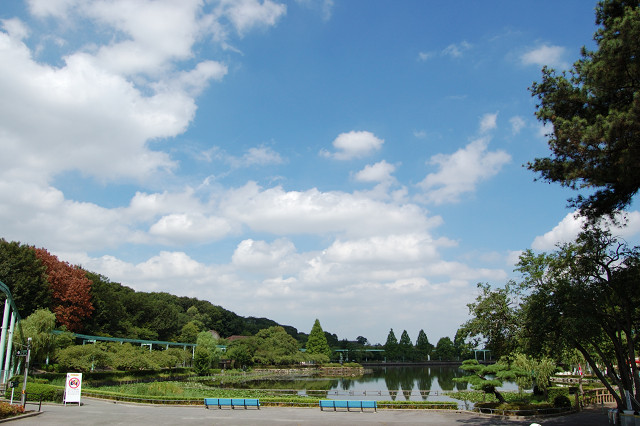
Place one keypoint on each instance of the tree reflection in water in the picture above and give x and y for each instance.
(382, 383)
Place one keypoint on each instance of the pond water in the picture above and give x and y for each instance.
(397, 383)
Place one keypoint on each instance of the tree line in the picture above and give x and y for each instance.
(445, 349)
(90, 303)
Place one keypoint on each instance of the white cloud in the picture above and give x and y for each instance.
(189, 228)
(260, 256)
(248, 14)
(517, 124)
(545, 55)
(15, 28)
(378, 172)
(81, 116)
(314, 212)
(488, 122)
(261, 156)
(256, 156)
(354, 144)
(568, 229)
(419, 134)
(381, 250)
(456, 50)
(461, 171)
(325, 6)
(424, 56)
(54, 8)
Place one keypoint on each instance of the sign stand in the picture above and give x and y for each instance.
(73, 388)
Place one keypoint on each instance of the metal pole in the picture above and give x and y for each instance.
(26, 372)
(3, 336)
(7, 361)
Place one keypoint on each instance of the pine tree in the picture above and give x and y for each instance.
(317, 342)
(423, 347)
(405, 347)
(391, 346)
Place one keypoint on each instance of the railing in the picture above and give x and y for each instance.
(26, 400)
(598, 396)
(524, 413)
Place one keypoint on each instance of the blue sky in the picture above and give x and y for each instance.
(359, 162)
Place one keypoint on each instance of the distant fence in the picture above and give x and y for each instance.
(598, 396)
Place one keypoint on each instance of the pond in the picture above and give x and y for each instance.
(397, 383)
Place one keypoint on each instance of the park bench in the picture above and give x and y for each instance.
(232, 402)
(348, 404)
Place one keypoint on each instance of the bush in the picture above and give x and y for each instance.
(8, 410)
(561, 401)
(48, 392)
(552, 393)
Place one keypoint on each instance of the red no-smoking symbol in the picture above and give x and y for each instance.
(74, 383)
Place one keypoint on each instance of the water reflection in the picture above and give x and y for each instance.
(383, 383)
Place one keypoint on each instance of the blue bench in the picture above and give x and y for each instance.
(348, 404)
(232, 402)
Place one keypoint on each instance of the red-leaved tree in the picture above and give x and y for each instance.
(70, 291)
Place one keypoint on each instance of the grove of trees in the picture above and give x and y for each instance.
(89, 303)
(581, 302)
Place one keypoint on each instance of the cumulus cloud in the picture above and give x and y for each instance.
(460, 172)
(248, 14)
(570, 226)
(15, 28)
(261, 256)
(354, 144)
(378, 172)
(545, 55)
(488, 122)
(190, 228)
(283, 212)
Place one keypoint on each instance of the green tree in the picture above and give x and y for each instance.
(487, 378)
(529, 370)
(595, 115)
(391, 346)
(189, 333)
(38, 326)
(109, 317)
(405, 347)
(585, 297)
(495, 319)
(201, 360)
(85, 357)
(423, 347)
(464, 350)
(361, 340)
(241, 352)
(445, 351)
(275, 346)
(206, 340)
(25, 276)
(317, 341)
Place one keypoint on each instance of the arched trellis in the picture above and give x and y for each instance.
(6, 337)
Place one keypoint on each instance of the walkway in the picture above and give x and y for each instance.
(98, 412)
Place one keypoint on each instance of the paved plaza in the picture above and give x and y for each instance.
(99, 412)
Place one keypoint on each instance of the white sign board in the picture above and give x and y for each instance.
(73, 388)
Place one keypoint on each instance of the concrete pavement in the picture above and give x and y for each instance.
(99, 412)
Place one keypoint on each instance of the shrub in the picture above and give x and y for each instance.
(555, 392)
(48, 392)
(561, 401)
(8, 410)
